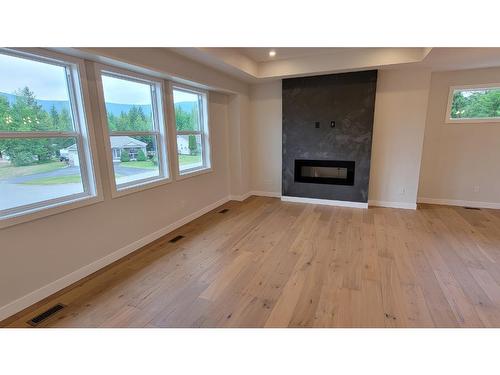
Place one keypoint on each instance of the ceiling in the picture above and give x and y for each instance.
(260, 54)
(254, 64)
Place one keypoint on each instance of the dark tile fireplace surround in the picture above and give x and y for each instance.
(327, 135)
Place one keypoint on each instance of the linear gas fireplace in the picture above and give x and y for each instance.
(333, 172)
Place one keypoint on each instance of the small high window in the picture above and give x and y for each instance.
(191, 122)
(474, 104)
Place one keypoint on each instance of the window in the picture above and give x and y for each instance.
(45, 157)
(136, 131)
(191, 122)
(474, 104)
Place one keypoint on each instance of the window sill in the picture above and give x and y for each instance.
(39, 213)
(196, 172)
(494, 120)
(140, 186)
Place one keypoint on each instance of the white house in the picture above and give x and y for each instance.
(118, 143)
(183, 145)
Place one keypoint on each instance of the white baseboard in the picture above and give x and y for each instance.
(455, 202)
(271, 194)
(55, 286)
(404, 205)
(258, 193)
(327, 202)
(239, 198)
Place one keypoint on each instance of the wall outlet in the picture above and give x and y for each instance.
(476, 189)
(402, 191)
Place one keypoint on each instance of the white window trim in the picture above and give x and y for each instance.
(163, 146)
(85, 135)
(449, 120)
(205, 132)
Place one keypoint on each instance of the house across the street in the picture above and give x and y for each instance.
(118, 143)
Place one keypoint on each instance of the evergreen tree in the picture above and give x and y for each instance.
(124, 156)
(27, 115)
(141, 156)
(193, 146)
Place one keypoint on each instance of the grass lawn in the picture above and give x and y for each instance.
(183, 160)
(57, 180)
(189, 159)
(8, 171)
(148, 164)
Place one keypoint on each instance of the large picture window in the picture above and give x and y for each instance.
(474, 104)
(45, 155)
(191, 122)
(137, 151)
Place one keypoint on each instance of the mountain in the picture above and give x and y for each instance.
(114, 108)
(46, 104)
(117, 108)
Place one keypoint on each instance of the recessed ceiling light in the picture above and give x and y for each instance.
(272, 53)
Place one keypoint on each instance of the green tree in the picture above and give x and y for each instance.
(5, 115)
(26, 115)
(65, 122)
(124, 156)
(54, 117)
(193, 146)
(186, 120)
(476, 104)
(141, 156)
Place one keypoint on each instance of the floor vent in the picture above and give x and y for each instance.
(472, 208)
(224, 211)
(46, 314)
(175, 239)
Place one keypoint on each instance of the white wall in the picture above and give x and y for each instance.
(48, 252)
(265, 139)
(400, 110)
(239, 149)
(458, 157)
(398, 133)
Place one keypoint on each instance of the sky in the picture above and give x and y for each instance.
(48, 82)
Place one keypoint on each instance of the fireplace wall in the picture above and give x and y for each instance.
(328, 117)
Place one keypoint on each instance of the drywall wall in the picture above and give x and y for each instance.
(398, 133)
(37, 255)
(265, 138)
(239, 149)
(309, 104)
(400, 113)
(164, 62)
(459, 157)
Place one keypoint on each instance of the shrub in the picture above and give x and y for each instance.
(124, 156)
(193, 146)
(141, 156)
(22, 158)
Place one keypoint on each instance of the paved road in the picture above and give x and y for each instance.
(14, 193)
(73, 171)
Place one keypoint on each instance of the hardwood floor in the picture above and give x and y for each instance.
(266, 263)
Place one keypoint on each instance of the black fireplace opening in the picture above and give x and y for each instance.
(333, 172)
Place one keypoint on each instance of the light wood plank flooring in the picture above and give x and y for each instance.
(266, 263)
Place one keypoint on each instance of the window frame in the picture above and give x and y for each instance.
(83, 132)
(452, 89)
(205, 131)
(160, 130)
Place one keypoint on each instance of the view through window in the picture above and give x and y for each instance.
(133, 124)
(42, 152)
(192, 130)
(475, 103)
